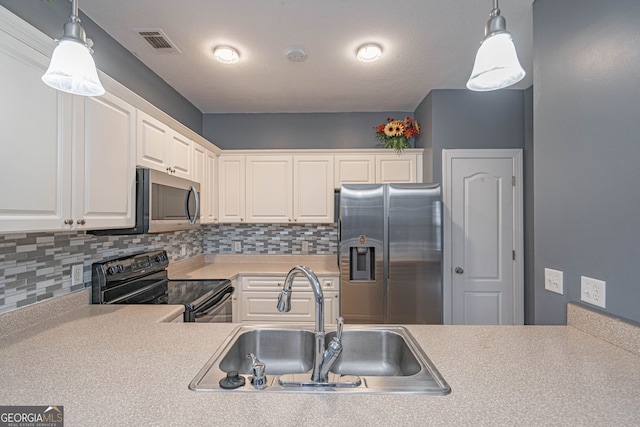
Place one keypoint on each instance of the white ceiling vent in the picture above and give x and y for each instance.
(158, 40)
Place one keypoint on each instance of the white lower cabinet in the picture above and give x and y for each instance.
(258, 296)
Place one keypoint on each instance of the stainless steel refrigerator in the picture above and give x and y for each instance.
(390, 253)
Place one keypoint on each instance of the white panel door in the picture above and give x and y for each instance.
(104, 172)
(269, 189)
(483, 206)
(35, 148)
(313, 189)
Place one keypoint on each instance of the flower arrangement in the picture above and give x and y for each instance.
(396, 133)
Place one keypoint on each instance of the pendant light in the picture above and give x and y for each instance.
(496, 64)
(72, 68)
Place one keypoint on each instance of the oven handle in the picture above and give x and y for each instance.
(140, 291)
(217, 302)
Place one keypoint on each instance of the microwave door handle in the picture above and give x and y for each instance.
(192, 219)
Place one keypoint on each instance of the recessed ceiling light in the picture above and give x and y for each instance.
(369, 52)
(226, 54)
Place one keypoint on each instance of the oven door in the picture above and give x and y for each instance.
(218, 309)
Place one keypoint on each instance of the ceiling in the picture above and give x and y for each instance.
(427, 44)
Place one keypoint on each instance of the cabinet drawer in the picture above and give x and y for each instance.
(261, 307)
(276, 283)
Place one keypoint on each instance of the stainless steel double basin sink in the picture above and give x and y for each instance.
(383, 359)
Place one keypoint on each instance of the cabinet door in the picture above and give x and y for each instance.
(313, 189)
(152, 145)
(104, 170)
(354, 169)
(231, 198)
(331, 307)
(209, 189)
(269, 189)
(396, 168)
(199, 164)
(36, 123)
(180, 155)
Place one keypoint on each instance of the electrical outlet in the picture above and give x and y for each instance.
(237, 246)
(593, 291)
(553, 281)
(76, 274)
(183, 249)
(305, 246)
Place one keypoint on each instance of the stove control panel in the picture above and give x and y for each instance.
(132, 266)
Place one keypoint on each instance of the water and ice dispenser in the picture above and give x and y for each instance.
(362, 261)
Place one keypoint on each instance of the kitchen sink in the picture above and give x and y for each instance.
(284, 351)
(374, 359)
(373, 352)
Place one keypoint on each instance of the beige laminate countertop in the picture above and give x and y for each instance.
(120, 366)
(232, 266)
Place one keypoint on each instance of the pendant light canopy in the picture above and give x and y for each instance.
(72, 68)
(496, 64)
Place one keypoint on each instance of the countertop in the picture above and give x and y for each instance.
(232, 266)
(121, 365)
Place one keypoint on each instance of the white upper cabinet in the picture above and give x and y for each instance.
(209, 189)
(231, 195)
(395, 168)
(104, 172)
(35, 160)
(354, 169)
(313, 189)
(163, 149)
(63, 166)
(269, 189)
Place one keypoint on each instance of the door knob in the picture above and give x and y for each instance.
(459, 270)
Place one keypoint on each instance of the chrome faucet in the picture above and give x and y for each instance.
(323, 359)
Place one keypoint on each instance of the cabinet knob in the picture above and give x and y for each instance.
(459, 270)
(81, 222)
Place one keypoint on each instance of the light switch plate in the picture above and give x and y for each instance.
(553, 281)
(237, 246)
(593, 291)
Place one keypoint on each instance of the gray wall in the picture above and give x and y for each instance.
(503, 119)
(288, 130)
(460, 118)
(110, 57)
(587, 151)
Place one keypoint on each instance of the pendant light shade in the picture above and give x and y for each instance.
(72, 68)
(496, 64)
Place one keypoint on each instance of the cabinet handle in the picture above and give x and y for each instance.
(68, 221)
(81, 222)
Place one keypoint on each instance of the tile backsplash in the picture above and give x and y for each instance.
(271, 239)
(37, 266)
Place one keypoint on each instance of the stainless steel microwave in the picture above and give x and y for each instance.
(163, 203)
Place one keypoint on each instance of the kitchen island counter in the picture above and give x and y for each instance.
(123, 365)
